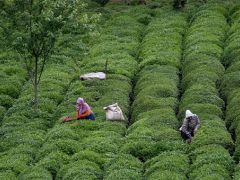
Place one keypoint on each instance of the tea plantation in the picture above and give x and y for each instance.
(160, 62)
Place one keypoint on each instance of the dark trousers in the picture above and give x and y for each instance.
(90, 117)
(185, 136)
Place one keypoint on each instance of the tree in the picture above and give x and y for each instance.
(35, 26)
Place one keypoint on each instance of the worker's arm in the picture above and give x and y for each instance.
(68, 118)
(83, 115)
(197, 126)
(185, 127)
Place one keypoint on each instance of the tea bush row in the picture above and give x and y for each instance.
(153, 136)
(93, 143)
(202, 73)
(230, 84)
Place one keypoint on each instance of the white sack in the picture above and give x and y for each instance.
(114, 112)
(93, 76)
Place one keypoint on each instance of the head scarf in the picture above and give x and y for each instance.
(189, 114)
(81, 105)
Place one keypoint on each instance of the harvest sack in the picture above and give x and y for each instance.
(93, 76)
(114, 112)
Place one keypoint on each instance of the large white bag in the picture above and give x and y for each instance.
(93, 76)
(114, 113)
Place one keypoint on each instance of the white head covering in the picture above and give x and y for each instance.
(189, 114)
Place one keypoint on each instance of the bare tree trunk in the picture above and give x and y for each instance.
(36, 84)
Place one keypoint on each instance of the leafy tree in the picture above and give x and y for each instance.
(34, 26)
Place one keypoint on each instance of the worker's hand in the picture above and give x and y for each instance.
(68, 118)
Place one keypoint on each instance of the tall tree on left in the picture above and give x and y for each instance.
(34, 26)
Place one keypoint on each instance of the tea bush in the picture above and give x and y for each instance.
(81, 169)
(35, 173)
(174, 161)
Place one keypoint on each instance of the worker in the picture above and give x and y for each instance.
(83, 111)
(189, 127)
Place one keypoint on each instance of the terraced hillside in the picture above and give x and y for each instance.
(161, 62)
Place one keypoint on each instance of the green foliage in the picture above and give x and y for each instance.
(6, 100)
(176, 162)
(217, 135)
(155, 119)
(53, 161)
(35, 173)
(195, 62)
(61, 132)
(122, 174)
(2, 112)
(232, 112)
(14, 138)
(166, 175)
(81, 169)
(200, 77)
(201, 94)
(237, 172)
(202, 110)
(8, 175)
(90, 156)
(230, 82)
(102, 144)
(176, 145)
(140, 148)
(210, 170)
(17, 163)
(68, 147)
(148, 103)
(124, 166)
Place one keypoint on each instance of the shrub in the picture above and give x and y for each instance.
(81, 169)
(209, 170)
(156, 118)
(207, 110)
(216, 157)
(177, 145)
(53, 161)
(142, 149)
(68, 147)
(90, 156)
(176, 162)
(166, 175)
(35, 173)
(6, 101)
(102, 144)
(163, 133)
(17, 163)
(147, 103)
(122, 174)
(61, 132)
(8, 175)
(14, 138)
(237, 172)
(124, 162)
(217, 135)
(193, 61)
(230, 81)
(200, 77)
(201, 94)
(2, 112)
